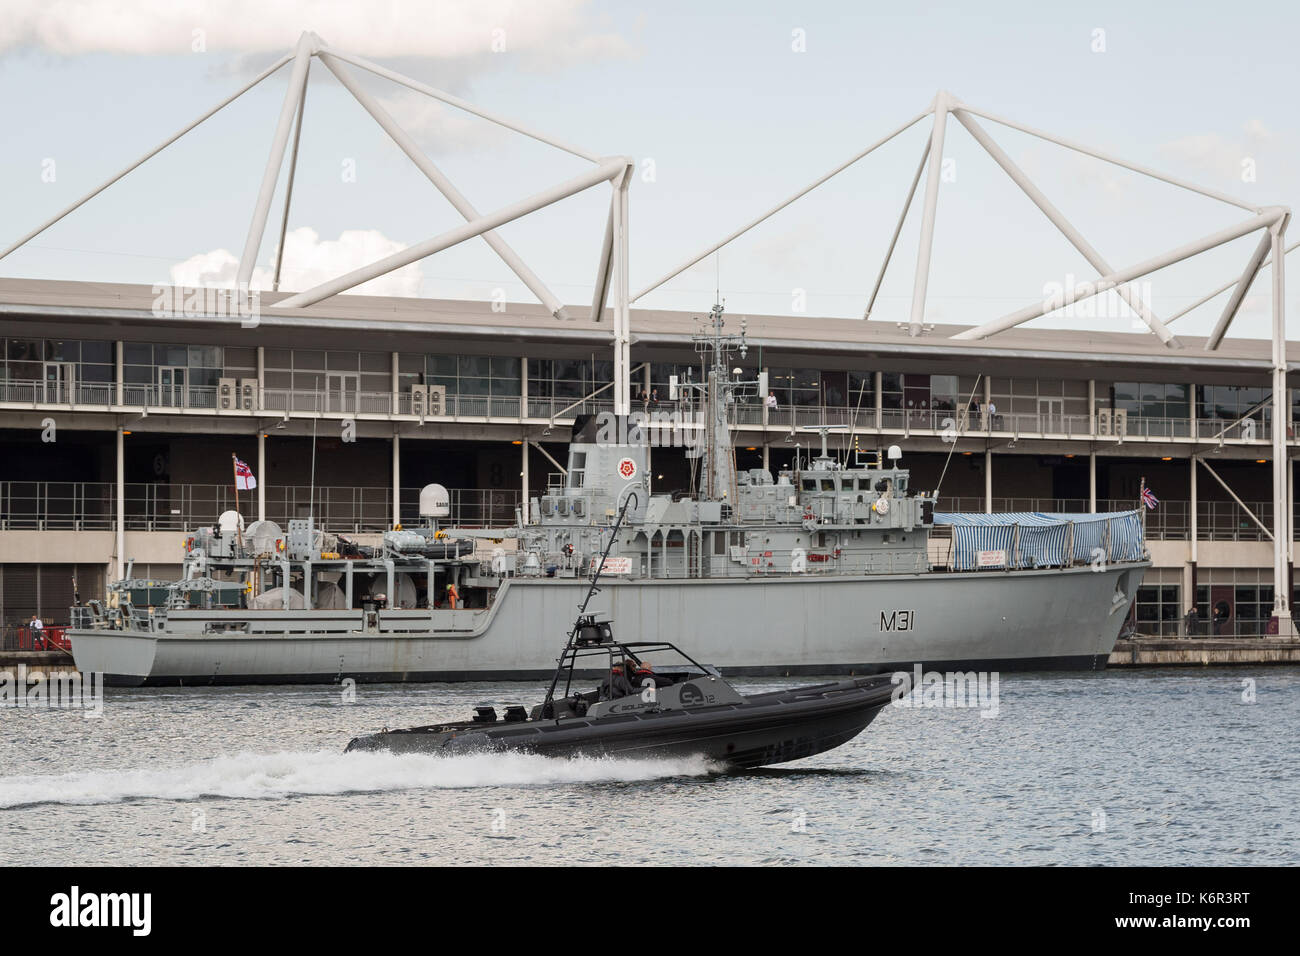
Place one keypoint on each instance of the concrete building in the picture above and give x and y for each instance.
(120, 408)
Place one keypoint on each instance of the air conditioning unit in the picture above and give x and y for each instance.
(419, 400)
(437, 399)
(1112, 422)
(247, 394)
(226, 394)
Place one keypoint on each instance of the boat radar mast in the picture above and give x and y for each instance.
(720, 390)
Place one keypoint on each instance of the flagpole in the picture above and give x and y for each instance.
(1142, 505)
(239, 529)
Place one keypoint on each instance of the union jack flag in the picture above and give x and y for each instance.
(1149, 499)
(244, 479)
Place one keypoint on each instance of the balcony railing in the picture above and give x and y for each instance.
(91, 506)
(1170, 521)
(1043, 424)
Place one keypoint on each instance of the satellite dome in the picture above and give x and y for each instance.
(230, 521)
(435, 502)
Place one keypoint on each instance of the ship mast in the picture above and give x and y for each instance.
(720, 391)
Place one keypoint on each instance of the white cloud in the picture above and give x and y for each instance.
(439, 127)
(1220, 156)
(309, 261)
(543, 32)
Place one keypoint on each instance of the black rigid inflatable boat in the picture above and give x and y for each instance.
(682, 709)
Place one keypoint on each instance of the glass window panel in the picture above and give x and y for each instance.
(442, 366)
(27, 350)
(308, 359)
(378, 362)
(505, 367)
(59, 350)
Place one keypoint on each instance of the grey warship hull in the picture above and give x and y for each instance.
(1049, 619)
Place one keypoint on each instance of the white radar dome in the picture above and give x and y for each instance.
(435, 502)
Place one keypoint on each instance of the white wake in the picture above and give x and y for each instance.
(252, 776)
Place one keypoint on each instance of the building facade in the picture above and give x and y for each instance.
(118, 420)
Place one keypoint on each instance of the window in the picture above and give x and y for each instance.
(1151, 399)
(1158, 609)
(1230, 402)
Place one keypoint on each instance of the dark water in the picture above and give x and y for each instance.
(1148, 767)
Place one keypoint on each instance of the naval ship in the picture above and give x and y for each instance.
(835, 565)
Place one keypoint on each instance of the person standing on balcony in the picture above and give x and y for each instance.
(992, 414)
(771, 401)
(37, 628)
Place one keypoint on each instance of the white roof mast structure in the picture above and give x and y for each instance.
(612, 270)
(1269, 221)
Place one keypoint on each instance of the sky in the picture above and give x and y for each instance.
(727, 108)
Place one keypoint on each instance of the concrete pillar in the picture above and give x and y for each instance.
(117, 373)
(120, 522)
(397, 482)
(261, 376)
(394, 385)
(766, 456)
(988, 481)
(1189, 575)
(523, 474)
(523, 394)
(1092, 478)
(261, 475)
(1281, 454)
(1092, 419)
(880, 400)
(988, 419)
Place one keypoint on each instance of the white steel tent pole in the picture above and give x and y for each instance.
(443, 184)
(898, 230)
(1076, 238)
(1083, 291)
(606, 170)
(1239, 294)
(601, 292)
(1105, 157)
(292, 96)
(147, 156)
(450, 100)
(1281, 456)
(932, 174)
(288, 190)
(778, 207)
(1222, 289)
(622, 315)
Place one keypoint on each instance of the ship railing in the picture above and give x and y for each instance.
(91, 506)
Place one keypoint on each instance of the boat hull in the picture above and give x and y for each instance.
(1052, 619)
(766, 729)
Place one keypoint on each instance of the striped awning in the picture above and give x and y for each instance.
(1039, 539)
